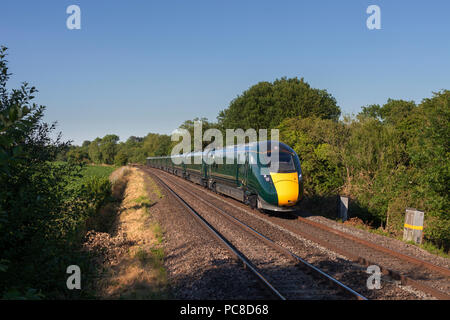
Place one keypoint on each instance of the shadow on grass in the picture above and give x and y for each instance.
(141, 206)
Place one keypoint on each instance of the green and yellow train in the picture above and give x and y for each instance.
(243, 172)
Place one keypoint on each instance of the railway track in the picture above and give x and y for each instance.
(282, 273)
(411, 271)
(407, 270)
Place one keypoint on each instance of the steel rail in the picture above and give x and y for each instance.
(401, 256)
(405, 280)
(247, 264)
(302, 263)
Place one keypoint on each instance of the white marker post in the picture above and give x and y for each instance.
(343, 208)
(413, 228)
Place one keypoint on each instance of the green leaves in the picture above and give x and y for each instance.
(387, 158)
(37, 223)
(317, 143)
(265, 105)
(3, 265)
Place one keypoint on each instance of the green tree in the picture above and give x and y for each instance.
(94, 151)
(318, 143)
(108, 148)
(189, 125)
(370, 111)
(265, 105)
(121, 158)
(77, 154)
(163, 148)
(429, 151)
(156, 145)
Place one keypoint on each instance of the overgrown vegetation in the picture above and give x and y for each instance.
(108, 150)
(42, 213)
(386, 158)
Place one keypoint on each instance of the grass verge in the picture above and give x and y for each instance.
(133, 266)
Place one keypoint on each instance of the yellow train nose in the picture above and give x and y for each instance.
(286, 185)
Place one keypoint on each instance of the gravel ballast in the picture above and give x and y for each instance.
(197, 265)
(341, 268)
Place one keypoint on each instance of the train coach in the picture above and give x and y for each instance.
(241, 172)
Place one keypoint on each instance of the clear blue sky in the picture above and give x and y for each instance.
(146, 66)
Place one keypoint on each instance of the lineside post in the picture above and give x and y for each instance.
(343, 208)
(413, 228)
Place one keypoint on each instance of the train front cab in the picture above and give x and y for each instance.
(280, 189)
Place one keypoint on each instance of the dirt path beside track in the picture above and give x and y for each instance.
(129, 256)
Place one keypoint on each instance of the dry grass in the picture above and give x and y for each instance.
(152, 186)
(138, 272)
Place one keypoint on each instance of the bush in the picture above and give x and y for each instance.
(315, 142)
(96, 191)
(121, 158)
(437, 231)
(386, 159)
(41, 214)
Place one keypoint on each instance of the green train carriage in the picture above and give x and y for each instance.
(241, 172)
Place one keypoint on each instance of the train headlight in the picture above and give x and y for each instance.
(300, 177)
(267, 178)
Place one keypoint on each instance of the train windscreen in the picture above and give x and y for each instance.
(285, 162)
